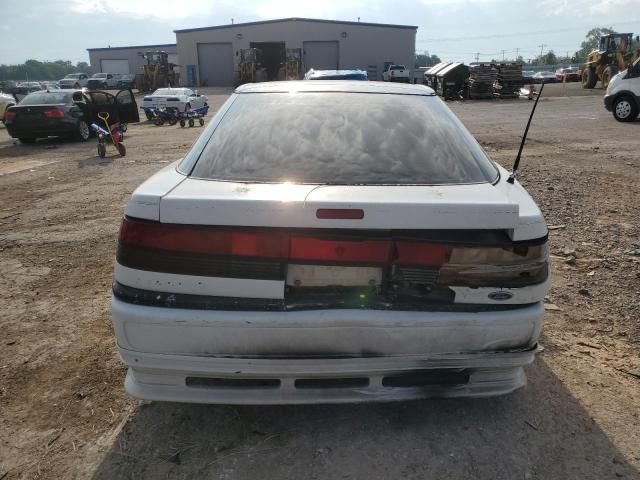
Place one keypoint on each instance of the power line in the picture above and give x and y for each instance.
(503, 35)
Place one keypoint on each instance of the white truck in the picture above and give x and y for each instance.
(74, 80)
(103, 81)
(396, 73)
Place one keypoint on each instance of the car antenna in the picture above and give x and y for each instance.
(516, 164)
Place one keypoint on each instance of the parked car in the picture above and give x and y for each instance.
(75, 80)
(329, 241)
(126, 81)
(24, 88)
(6, 101)
(335, 75)
(527, 76)
(181, 99)
(66, 113)
(546, 77)
(103, 81)
(623, 94)
(571, 74)
(396, 73)
(50, 86)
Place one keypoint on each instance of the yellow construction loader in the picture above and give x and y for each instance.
(615, 53)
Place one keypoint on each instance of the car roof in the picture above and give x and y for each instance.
(355, 86)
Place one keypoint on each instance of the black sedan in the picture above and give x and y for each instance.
(67, 113)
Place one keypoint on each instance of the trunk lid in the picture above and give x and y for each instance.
(207, 202)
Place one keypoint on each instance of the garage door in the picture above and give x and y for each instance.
(215, 61)
(115, 66)
(321, 55)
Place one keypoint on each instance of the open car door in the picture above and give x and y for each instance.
(121, 107)
(127, 107)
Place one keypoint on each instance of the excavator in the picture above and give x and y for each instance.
(615, 53)
(158, 72)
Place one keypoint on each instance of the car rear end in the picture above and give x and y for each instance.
(42, 114)
(164, 99)
(319, 244)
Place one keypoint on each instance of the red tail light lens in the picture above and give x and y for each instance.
(415, 253)
(54, 113)
(9, 115)
(373, 252)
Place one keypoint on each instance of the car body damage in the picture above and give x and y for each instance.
(243, 278)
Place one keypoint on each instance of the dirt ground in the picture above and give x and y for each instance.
(64, 413)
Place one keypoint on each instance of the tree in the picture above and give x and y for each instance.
(549, 58)
(36, 70)
(591, 42)
(426, 60)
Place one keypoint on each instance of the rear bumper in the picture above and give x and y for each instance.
(199, 379)
(166, 348)
(61, 128)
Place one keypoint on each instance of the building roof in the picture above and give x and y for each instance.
(355, 86)
(296, 19)
(132, 46)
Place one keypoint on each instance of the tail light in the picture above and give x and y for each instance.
(250, 253)
(9, 115)
(54, 113)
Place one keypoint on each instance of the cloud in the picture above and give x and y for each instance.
(143, 8)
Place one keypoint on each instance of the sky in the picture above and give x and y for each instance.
(454, 30)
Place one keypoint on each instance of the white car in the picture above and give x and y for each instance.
(182, 99)
(74, 80)
(6, 101)
(329, 241)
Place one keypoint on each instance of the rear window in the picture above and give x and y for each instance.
(344, 139)
(52, 98)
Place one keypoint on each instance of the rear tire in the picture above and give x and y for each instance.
(83, 131)
(191, 122)
(27, 141)
(122, 150)
(182, 123)
(201, 122)
(625, 109)
(149, 116)
(589, 78)
(102, 150)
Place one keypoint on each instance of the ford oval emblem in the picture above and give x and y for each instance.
(501, 296)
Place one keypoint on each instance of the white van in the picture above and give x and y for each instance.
(623, 94)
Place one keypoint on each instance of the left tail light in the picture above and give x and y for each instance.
(54, 113)
(10, 115)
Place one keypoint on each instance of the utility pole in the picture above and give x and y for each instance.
(503, 55)
(477, 57)
(542, 48)
(517, 51)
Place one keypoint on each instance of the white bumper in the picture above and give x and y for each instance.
(322, 356)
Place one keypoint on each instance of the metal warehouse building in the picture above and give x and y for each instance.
(126, 59)
(210, 56)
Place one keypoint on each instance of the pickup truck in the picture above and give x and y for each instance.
(396, 73)
(103, 81)
(74, 80)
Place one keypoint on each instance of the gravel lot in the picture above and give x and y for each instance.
(64, 414)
